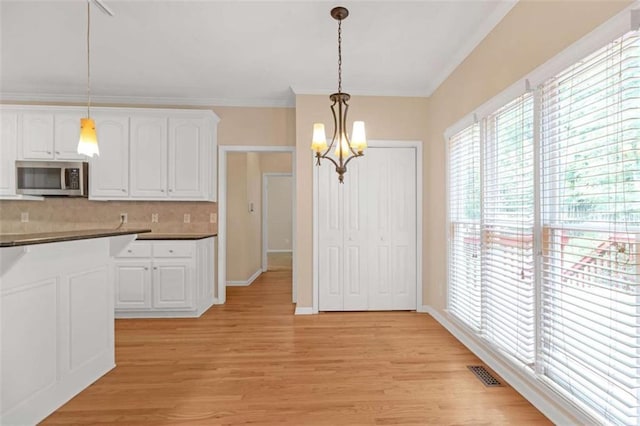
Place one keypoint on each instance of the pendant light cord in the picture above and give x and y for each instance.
(339, 55)
(88, 57)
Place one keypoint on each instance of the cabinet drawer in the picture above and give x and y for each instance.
(136, 249)
(172, 249)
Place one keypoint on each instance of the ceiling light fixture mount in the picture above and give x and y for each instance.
(88, 143)
(346, 149)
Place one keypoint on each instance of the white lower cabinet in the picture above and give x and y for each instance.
(164, 278)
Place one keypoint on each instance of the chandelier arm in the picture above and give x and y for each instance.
(330, 159)
(335, 130)
(351, 157)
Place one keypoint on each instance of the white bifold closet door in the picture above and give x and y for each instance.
(367, 233)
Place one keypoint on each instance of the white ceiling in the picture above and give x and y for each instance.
(249, 53)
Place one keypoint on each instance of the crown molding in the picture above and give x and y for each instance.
(459, 55)
(8, 97)
(298, 90)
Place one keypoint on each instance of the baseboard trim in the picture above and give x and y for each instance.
(251, 279)
(303, 310)
(552, 405)
(423, 309)
(279, 251)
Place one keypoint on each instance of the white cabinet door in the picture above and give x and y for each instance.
(148, 150)
(109, 172)
(66, 135)
(172, 284)
(132, 285)
(188, 158)
(37, 135)
(8, 152)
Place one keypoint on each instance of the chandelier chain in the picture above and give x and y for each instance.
(88, 57)
(339, 55)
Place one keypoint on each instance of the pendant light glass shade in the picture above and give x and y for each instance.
(358, 136)
(319, 140)
(88, 144)
(342, 148)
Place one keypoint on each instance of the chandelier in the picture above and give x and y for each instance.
(346, 149)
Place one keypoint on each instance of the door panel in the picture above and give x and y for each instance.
(330, 227)
(403, 228)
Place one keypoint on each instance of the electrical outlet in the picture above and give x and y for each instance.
(187, 218)
(123, 218)
(213, 218)
(24, 217)
(154, 217)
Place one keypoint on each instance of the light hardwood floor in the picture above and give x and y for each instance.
(253, 361)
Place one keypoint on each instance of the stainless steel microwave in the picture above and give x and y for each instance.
(62, 178)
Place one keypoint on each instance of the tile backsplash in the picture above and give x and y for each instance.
(66, 214)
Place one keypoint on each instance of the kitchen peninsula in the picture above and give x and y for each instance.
(57, 317)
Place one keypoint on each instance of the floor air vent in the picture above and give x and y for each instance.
(484, 375)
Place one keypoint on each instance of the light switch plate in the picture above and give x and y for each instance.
(187, 218)
(24, 217)
(154, 217)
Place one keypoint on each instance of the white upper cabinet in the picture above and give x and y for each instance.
(109, 172)
(66, 135)
(145, 153)
(8, 152)
(148, 149)
(50, 135)
(37, 136)
(189, 154)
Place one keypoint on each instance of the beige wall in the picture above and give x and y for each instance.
(237, 216)
(256, 126)
(254, 199)
(273, 162)
(532, 33)
(392, 118)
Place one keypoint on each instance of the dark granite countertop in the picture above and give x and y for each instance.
(176, 236)
(11, 240)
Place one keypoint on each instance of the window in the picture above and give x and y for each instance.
(590, 142)
(544, 244)
(464, 214)
(507, 212)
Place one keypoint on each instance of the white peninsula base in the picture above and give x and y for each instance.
(57, 323)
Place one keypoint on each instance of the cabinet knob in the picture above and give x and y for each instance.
(155, 267)
(128, 251)
(170, 251)
(162, 190)
(146, 269)
(48, 152)
(124, 190)
(58, 152)
(171, 190)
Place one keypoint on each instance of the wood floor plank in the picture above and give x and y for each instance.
(252, 361)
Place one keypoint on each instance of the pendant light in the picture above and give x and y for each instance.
(346, 149)
(88, 143)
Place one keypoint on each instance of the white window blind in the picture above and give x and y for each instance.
(507, 225)
(464, 222)
(590, 285)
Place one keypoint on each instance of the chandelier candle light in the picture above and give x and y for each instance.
(346, 149)
(88, 143)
